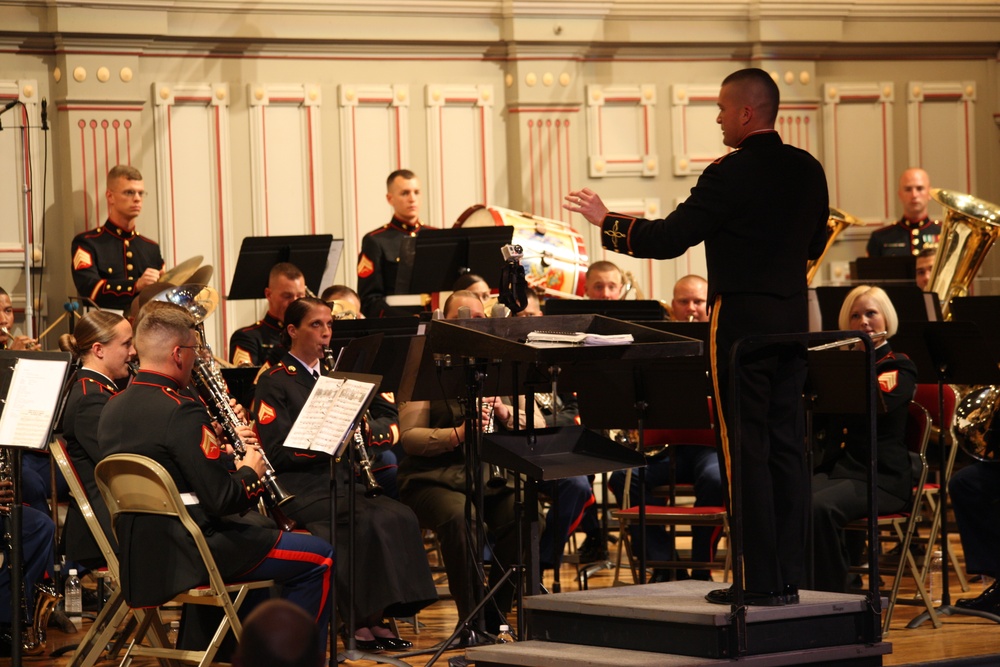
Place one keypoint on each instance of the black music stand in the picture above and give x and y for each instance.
(397, 332)
(40, 391)
(984, 311)
(833, 374)
(883, 269)
(635, 396)
(434, 259)
(316, 255)
(500, 342)
(959, 354)
(628, 309)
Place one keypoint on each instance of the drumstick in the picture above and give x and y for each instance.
(52, 326)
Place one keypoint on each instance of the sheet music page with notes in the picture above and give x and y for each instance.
(333, 407)
(31, 403)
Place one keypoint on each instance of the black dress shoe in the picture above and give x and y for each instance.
(791, 594)
(592, 550)
(393, 644)
(754, 598)
(367, 644)
(988, 601)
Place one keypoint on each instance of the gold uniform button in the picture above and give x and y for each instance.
(126, 243)
(129, 254)
(413, 233)
(118, 287)
(128, 266)
(110, 271)
(131, 278)
(291, 368)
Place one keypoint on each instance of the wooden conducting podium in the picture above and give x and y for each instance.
(506, 365)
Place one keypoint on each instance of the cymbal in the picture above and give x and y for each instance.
(202, 276)
(181, 273)
(199, 300)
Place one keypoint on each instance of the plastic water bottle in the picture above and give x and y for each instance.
(934, 577)
(504, 637)
(74, 598)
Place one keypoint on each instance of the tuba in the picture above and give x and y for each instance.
(835, 224)
(968, 231)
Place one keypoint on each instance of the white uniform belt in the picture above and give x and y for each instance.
(189, 498)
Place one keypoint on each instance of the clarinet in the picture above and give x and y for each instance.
(372, 487)
(498, 476)
(216, 400)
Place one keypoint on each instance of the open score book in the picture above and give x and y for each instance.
(330, 415)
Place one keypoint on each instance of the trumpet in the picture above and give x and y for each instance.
(849, 341)
(211, 389)
(31, 345)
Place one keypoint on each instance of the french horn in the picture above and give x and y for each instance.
(835, 224)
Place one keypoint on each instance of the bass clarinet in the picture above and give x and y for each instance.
(372, 487)
(216, 400)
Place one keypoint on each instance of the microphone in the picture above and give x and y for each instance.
(45, 115)
(8, 106)
(498, 311)
(464, 313)
(436, 314)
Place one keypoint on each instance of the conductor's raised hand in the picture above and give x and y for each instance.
(587, 203)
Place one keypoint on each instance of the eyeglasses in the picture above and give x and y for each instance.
(198, 349)
(132, 194)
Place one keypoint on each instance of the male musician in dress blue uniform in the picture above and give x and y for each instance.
(261, 341)
(379, 258)
(975, 498)
(157, 418)
(113, 263)
(915, 230)
(765, 199)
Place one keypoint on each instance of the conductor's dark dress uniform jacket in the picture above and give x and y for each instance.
(761, 211)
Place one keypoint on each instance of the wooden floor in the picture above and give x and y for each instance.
(958, 637)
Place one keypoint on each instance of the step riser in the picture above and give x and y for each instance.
(705, 641)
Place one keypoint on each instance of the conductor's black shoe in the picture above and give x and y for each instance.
(988, 601)
(754, 598)
(393, 644)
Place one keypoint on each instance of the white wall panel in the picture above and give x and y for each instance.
(941, 132)
(857, 120)
(194, 188)
(459, 148)
(374, 141)
(21, 154)
(621, 137)
(696, 134)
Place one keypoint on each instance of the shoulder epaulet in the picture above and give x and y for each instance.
(719, 159)
(281, 367)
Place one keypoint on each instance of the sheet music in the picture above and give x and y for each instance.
(328, 415)
(31, 403)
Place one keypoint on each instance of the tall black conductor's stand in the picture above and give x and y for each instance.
(832, 369)
(561, 452)
(34, 432)
(957, 351)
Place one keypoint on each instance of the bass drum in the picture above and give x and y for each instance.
(555, 256)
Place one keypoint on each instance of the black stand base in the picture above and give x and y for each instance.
(951, 610)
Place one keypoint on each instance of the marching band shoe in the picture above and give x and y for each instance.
(988, 601)
(753, 598)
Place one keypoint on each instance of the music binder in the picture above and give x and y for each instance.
(332, 412)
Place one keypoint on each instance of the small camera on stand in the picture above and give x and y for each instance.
(512, 252)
